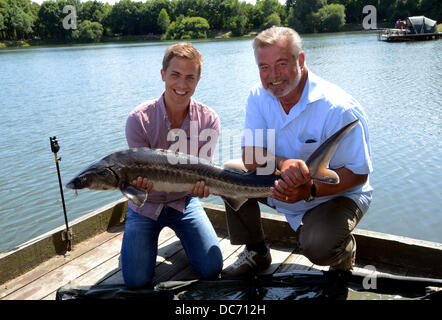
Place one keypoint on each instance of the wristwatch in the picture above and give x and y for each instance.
(312, 195)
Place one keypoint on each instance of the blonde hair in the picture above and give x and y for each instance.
(182, 50)
(275, 34)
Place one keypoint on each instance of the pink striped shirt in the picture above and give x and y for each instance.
(148, 126)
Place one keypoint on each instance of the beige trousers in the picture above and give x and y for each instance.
(324, 236)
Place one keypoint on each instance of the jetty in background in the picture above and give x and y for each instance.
(413, 29)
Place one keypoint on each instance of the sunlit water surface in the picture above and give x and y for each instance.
(83, 94)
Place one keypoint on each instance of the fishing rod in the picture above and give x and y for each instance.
(67, 234)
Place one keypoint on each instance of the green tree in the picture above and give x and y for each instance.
(88, 31)
(185, 28)
(93, 11)
(125, 17)
(2, 27)
(195, 28)
(234, 16)
(403, 9)
(272, 20)
(50, 19)
(263, 9)
(149, 12)
(163, 20)
(330, 18)
(432, 9)
(215, 17)
(300, 16)
(20, 22)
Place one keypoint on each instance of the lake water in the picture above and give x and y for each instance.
(82, 94)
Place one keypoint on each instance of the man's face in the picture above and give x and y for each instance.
(279, 71)
(181, 79)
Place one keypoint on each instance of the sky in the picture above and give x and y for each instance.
(113, 1)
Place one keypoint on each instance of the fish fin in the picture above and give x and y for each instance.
(319, 160)
(137, 196)
(326, 176)
(234, 203)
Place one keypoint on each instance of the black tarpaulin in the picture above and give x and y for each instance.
(311, 285)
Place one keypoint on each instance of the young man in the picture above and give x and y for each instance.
(153, 124)
(303, 110)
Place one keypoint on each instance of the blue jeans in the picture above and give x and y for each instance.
(140, 242)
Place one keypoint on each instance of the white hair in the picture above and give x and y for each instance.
(275, 34)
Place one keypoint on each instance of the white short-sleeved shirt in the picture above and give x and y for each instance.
(322, 110)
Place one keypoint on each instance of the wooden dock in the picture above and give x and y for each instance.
(395, 35)
(97, 259)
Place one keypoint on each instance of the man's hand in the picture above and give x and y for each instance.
(143, 183)
(284, 193)
(294, 172)
(200, 190)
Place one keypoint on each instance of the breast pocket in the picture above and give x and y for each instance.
(306, 149)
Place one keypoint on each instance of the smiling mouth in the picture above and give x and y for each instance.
(276, 83)
(180, 93)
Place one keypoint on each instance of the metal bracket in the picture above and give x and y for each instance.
(66, 235)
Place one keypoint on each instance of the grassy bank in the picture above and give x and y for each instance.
(129, 38)
(155, 37)
(14, 44)
(439, 27)
(212, 34)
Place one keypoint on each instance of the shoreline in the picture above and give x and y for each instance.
(215, 35)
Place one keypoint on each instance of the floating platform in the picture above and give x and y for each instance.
(398, 35)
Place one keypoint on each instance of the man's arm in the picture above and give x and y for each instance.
(295, 183)
(348, 180)
(293, 171)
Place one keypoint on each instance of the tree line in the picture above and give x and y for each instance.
(192, 19)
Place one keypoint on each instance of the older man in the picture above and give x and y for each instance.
(303, 110)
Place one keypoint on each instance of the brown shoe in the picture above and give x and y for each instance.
(248, 262)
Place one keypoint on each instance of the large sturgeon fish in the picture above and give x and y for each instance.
(175, 172)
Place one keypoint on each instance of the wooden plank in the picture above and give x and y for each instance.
(418, 256)
(279, 255)
(188, 273)
(235, 249)
(178, 267)
(167, 241)
(93, 276)
(44, 247)
(170, 267)
(56, 262)
(319, 268)
(295, 262)
(72, 270)
(166, 250)
(68, 272)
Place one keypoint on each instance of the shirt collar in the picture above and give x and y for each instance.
(192, 115)
(313, 88)
(162, 107)
(310, 94)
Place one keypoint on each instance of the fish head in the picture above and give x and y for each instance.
(94, 178)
